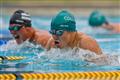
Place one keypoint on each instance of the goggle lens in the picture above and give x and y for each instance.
(58, 32)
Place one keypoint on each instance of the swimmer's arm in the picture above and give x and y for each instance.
(109, 27)
(90, 44)
(44, 40)
(50, 44)
(113, 27)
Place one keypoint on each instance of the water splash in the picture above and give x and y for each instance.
(26, 49)
(12, 45)
(79, 55)
(59, 58)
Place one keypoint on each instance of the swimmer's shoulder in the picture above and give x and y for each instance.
(42, 33)
(83, 35)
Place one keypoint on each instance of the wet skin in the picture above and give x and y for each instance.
(28, 33)
(77, 39)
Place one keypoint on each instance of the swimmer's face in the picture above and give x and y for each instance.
(60, 37)
(19, 33)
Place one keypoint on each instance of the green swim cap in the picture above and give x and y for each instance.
(63, 21)
(96, 19)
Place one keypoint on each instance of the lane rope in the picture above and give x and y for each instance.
(97, 75)
(11, 58)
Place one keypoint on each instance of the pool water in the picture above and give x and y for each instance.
(56, 60)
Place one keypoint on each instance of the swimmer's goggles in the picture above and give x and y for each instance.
(57, 32)
(15, 27)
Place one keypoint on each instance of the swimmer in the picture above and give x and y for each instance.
(65, 35)
(97, 20)
(21, 29)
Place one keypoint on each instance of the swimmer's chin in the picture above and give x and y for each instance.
(19, 41)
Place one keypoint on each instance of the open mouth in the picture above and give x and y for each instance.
(57, 41)
(16, 36)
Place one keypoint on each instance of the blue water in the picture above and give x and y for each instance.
(35, 61)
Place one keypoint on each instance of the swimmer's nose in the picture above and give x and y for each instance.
(55, 37)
